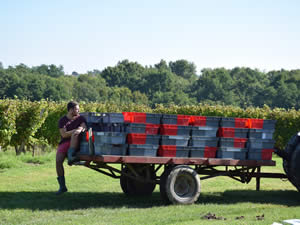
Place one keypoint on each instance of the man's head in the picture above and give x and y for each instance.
(73, 108)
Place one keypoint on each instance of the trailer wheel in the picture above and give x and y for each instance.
(289, 149)
(134, 187)
(182, 185)
(291, 160)
(295, 167)
(162, 185)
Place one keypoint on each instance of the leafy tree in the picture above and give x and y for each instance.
(178, 98)
(158, 81)
(127, 74)
(50, 70)
(183, 68)
(57, 89)
(84, 92)
(8, 84)
(162, 65)
(248, 84)
(215, 85)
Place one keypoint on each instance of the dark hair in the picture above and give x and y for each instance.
(71, 105)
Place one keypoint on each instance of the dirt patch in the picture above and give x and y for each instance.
(212, 216)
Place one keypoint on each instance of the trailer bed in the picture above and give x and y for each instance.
(176, 161)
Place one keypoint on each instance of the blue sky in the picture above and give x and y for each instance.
(93, 34)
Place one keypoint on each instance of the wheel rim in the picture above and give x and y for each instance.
(184, 186)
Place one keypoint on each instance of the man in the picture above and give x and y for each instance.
(70, 126)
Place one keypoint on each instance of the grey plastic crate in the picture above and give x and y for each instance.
(169, 119)
(143, 150)
(171, 129)
(138, 128)
(182, 153)
(232, 153)
(257, 154)
(261, 133)
(212, 121)
(152, 139)
(261, 143)
(230, 132)
(92, 117)
(109, 149)
(227, 122)
(232, 142)
(112, 118)
(204, 131)
(269, 124)
(241, 132)
(147, 146)
(197, 154)
(203, 141)
(183, 130)
(201, 152)
(107, 127)
(109, 138)
(153, 118)
(175, 140)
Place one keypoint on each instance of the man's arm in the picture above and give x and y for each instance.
(82, 127)
(64, 133)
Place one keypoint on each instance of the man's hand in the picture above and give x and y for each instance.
(78, 130)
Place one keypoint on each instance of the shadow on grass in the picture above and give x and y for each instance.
(286, 198)
(84, 200)
(74, 200)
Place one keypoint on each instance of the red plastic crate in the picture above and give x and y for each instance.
(256, 123)
(241, 123)
(134, 117)
(240, 142)
(138, 139)
(266, 154)
(167, 150)
(197, 121)
(210, 152)
(226, 132)
(183, 120)
(138, 117)
(127, 117)
(168, 129)
(152, 128)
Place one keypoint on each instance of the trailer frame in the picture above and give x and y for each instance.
(138, 174)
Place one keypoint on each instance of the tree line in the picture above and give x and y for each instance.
(163, 83)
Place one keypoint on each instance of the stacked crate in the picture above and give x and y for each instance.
(203, 141)
(261, 143)
(175, 135)
(142, 133)
(233, 134)
(109, 137)
(147, 134)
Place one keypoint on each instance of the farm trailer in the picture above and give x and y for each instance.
(180, 181)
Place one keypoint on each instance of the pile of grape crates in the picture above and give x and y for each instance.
(244, 138)
(163, 135)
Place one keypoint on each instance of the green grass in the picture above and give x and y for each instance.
(27, 188)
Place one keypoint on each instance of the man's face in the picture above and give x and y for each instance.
(75, 110)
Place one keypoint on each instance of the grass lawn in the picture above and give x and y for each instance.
(27, 188)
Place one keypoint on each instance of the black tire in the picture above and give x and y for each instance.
(183, 185)
(123, 184)
(295, 167)
(133, 187)
(287, 163)
(162, 187)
